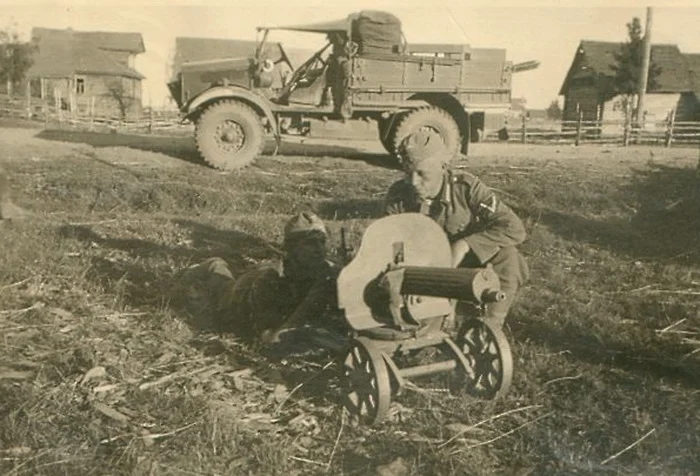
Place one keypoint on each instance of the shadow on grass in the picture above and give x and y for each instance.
(351, 208)
(143, 273)
(183, 148)
(332, 150)
(665, 226)
(590, 349)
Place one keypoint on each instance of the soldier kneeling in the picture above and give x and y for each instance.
(480, 227)
(264, 302)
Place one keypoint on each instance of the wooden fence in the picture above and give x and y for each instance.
(51, 113)
(622, 131)
(529, 131)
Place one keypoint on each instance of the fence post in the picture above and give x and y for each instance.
(150, 120)
(578, 128)
(45, 110)
(29, 101)
(92, 113)
(72, 104)
(59, 108)
(669, 128)
(524, 129)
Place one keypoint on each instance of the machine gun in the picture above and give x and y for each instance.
(397, 294)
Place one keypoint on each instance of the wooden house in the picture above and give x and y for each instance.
(586, 88)
(88, 72)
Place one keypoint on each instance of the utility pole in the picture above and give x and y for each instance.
(644, 73)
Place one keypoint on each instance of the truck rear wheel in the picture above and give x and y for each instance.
(387, 132)
(433, 118)
(229, 135)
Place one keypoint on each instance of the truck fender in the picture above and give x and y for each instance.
(259, 103)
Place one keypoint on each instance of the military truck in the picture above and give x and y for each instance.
(365, 71)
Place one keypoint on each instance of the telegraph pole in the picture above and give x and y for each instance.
(644, 73)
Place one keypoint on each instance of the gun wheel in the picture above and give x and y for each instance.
(367, 391)
(229, 135)
(490, 364)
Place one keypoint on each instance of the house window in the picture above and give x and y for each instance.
(79, 85)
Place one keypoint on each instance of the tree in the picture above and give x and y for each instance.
(628, 65)
(118, 92)
(554, 111)
(16, 57)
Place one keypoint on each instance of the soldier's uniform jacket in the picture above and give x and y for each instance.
(466, 209)
(263, 297)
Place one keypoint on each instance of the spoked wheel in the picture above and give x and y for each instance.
(490, 364)
(367, 389)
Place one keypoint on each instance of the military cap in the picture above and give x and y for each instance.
(304, 223)
(421, 145)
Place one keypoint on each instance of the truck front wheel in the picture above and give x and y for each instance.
(432, 118)
(229, 135)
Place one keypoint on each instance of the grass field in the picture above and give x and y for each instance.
(104, 369)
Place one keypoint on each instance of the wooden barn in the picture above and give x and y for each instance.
(88, 71)
(589, 80)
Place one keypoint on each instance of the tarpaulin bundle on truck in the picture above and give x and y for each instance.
(376, 32)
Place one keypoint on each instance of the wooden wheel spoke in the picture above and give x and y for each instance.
(362, 407)
(481, 382)
(357, 356)
(469, 342)
(371, 401)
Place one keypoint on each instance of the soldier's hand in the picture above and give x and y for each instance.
(460, 248)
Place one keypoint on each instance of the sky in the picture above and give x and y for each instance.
(547, 31)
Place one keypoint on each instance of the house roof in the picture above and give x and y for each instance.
(598, 57)
(62, 53)
(116, 41)
(693, 61)
(105, 40)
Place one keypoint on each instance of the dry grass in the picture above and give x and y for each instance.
(105, 369)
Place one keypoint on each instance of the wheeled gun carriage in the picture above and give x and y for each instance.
(400, 295)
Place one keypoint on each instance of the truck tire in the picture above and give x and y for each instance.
(229, 135)
(432, 118)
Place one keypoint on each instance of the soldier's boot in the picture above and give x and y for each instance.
(207, 283)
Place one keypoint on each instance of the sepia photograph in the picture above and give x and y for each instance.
(385, 238)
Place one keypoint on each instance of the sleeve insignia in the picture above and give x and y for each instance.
(491, 207)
